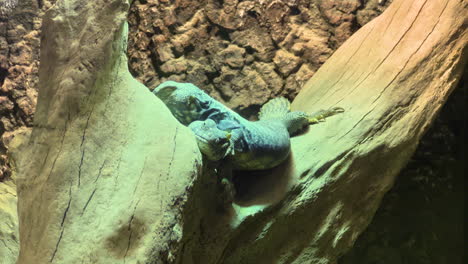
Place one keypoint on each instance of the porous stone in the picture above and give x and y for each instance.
(286, 62)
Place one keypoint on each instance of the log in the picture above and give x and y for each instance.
(106, 166)
(109, 176)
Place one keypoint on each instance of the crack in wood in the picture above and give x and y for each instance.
(68, 207)
(173, 151)
(62, 226)
(139, 177)
(118, 170)
(388, 54)
(130, 230)
(56, 246)
(58, 154)
(400, 71)
(393, 16)
(346, 63)
(44, 162)
(83, 138)
(79, 167)
(89, 200)
(100, 171)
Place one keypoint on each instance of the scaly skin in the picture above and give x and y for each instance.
(220, 132)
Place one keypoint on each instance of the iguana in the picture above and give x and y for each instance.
(222, 133)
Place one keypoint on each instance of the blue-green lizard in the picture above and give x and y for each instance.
(222, 133)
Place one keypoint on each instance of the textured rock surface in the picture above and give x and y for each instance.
(106, 160)
(233, 48)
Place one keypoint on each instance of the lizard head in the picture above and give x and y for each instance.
(213, 142)
(185, 100)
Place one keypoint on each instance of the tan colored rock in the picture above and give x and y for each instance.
(286, 62)
(232, 85)
(255, 38)
(5, 104)
(268, 74)
(296, 81)
(233, 56)
(177, 66)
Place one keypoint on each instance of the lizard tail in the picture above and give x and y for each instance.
(275, 108)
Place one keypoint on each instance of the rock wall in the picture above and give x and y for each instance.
(242, 52)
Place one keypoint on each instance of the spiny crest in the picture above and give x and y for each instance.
(275, 108)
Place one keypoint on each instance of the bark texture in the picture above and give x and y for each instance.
(118, 176)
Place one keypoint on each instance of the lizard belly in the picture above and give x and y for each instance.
(265, 145)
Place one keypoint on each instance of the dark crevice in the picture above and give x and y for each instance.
(252, 14)
(249, 112)
(3, 75)
(212, 75)
(157, 65)
(249, 50)
(294, 10)
(189, 48)
(223, 33)
(157, 31)
(173, 29)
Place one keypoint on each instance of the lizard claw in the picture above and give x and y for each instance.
(336, 110)
(322, 114)
(230, 149)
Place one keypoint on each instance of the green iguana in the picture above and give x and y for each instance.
(222, 133)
